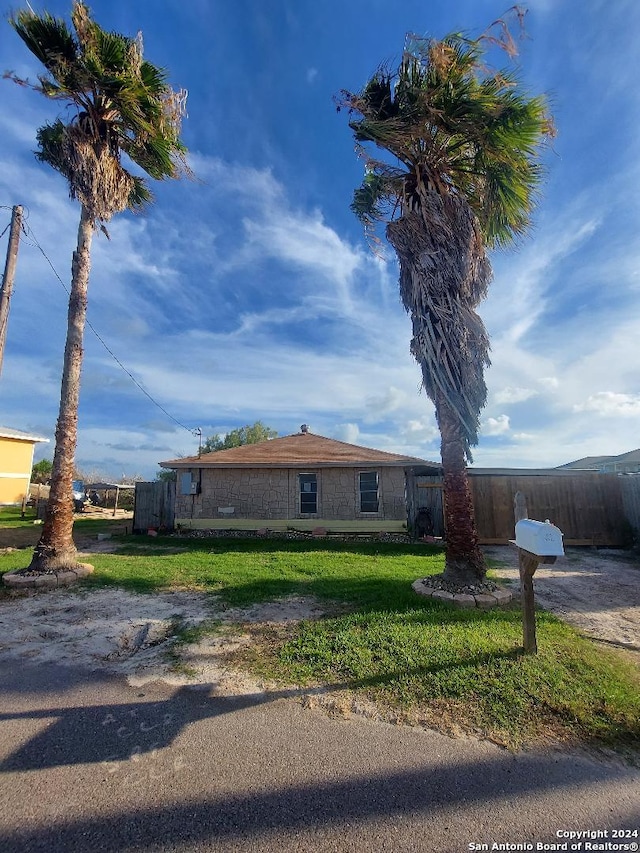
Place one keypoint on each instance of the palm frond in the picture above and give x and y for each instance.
(456, 169)
(48, 38)
(51, 42)
(140, 195)
(441, 115)
(123, 104)
(50, 139)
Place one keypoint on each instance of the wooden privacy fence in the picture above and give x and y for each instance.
(588, 507)
(154, 506)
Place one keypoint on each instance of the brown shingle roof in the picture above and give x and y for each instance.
(294, 451)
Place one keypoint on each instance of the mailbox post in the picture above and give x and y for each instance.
(537, 542)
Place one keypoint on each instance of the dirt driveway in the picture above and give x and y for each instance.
(596, 591)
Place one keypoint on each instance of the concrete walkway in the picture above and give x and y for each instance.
(91, 764)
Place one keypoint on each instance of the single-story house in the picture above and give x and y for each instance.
(16, 462)
(303, 481)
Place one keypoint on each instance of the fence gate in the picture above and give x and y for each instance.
(425, 513)
(154, 506)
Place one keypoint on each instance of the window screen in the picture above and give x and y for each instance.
(308, 493)
(369, 491)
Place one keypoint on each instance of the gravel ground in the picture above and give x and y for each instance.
(596, 591)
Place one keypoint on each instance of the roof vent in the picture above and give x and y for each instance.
(304, 428)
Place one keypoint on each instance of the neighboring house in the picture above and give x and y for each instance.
(303, 481)
(16, 462)
(625, 463)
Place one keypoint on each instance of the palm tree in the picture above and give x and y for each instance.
(464, 143)
(119, 104)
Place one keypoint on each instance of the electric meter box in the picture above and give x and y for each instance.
(539, 537)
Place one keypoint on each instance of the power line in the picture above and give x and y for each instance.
(28, 231)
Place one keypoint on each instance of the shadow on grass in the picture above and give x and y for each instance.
(375, 594)
(360, 594)
(132, 583)
(248, 571)
(229, 545)
(388, 594)
(364, 593)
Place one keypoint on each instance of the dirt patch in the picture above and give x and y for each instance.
(19, 537)
(135, 635)
(596, 591)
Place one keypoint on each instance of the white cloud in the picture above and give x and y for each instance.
(390, 400)
(514, 395)
(519, 296)
(551, 382)
(420, 430)
(496, 426)
(235, 180)
(610, 403)
(252, 322)
(524, 436)
(348, 432)
(308, 244)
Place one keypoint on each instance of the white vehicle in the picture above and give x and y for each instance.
(79, 495)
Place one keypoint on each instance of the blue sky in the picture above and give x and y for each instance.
(250, 292)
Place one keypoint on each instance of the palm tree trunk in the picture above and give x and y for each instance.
(464, 560)
(56, 550)
(444, 274)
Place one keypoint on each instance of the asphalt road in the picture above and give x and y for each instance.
(88, 763)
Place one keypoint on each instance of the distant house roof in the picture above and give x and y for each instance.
(597, 463)
(631, 456)
(18, 435)
(588, 462)
(528, 472)
(299, 450)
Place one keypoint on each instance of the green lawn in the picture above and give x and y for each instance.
(11, 517)
(421, 661)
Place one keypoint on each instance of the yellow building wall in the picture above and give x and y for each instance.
(16, 461)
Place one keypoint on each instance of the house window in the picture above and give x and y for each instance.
(308, 493)
(369, 491)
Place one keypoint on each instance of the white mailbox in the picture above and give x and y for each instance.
(539, 537)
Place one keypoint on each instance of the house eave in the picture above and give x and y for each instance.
(22, 436)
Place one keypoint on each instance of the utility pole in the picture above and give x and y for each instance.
(9, 275)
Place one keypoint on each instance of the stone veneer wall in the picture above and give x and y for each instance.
(272, 493)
